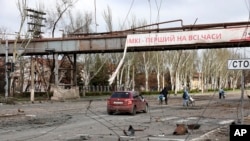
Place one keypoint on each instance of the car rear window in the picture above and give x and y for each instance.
(120, 95)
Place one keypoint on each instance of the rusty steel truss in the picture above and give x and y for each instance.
(108, 42)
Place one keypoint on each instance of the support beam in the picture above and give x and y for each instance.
(55, 60)
(74, 70)
(32, 90)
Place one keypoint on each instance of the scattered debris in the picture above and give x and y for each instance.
(193, 126)
(84, 137)
(31, 116)
(20, 111)
(180, 129)
(161, 135)
(131, 131)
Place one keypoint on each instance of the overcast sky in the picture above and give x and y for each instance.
(205, 11)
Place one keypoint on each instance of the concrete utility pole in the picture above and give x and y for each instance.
(32, 90)
(242, 97)
(34, 26)
(35, 22)
(6, 70)
(236, 65)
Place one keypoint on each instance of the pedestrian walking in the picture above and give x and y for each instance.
(185, 98)
(161, 98)
(221, 93)
(165, 94)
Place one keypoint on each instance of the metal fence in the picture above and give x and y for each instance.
(100, 88)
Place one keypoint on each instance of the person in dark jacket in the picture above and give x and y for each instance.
(221, 94)
(165, 94)
(185, 98)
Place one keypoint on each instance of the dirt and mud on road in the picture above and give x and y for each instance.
(86, 119)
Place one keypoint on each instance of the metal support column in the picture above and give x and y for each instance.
(32, 90)
(74, 70)
(56, 69)
(72, 80)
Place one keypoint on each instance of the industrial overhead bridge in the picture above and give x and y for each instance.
(109, 42)
(151, 37)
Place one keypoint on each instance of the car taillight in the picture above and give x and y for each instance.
(130, 102)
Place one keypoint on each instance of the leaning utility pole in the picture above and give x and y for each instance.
(242, 97)
(35, 22)
(240, 64)
(6, 70)
(34, 26)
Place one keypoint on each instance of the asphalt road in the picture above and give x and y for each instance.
(86, 119)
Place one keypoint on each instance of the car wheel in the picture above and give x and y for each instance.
(110, 112)
(145, 108)
(134, 111)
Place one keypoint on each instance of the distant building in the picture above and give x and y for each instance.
(196, 81)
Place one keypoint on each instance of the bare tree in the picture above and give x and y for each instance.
(22, 6)
(163, 66)
(23, 10)
(146, 65)
(214, 69)
(107, 15)
(87, 22)
(80, 24)
(88, 70)
(172, 63)
(3, 30)
(55, 16)
(76, 23)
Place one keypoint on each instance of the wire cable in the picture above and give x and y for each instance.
(202, 114)
(99, 117)
(158, 10)
(244, 35)
(131, 5)
(150, 12)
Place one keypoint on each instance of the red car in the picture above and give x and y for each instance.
(126, 102)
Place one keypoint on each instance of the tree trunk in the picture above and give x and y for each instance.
(176, 82)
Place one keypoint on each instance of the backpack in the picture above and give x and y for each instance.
(161, 96)
(184, 95)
